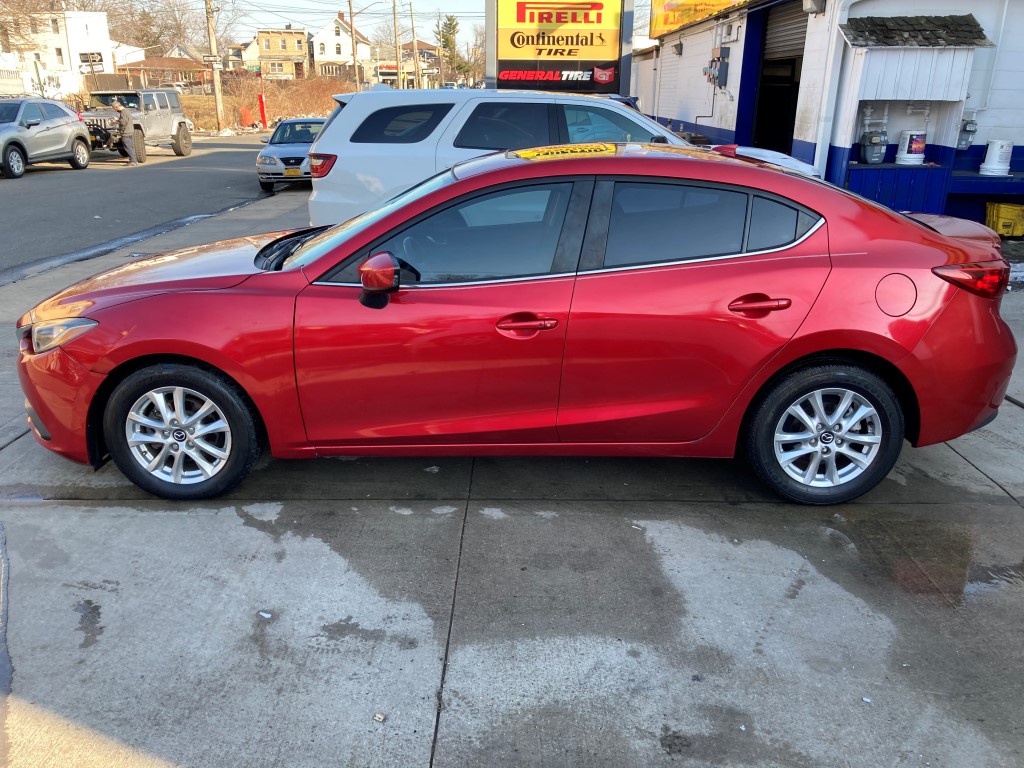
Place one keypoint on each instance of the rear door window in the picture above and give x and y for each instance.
(585, 124)
(400, 125)
(503, 125)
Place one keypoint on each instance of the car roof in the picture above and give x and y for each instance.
(459, 95)
(608, 158)
(303, 120)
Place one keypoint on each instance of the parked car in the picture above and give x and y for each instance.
(636, 300)
(379, 143)
(157, 118)
(286, 156)
(179, 86)
(34, 130)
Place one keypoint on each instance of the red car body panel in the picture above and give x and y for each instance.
(651, 360)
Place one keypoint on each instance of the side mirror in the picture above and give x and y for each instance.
(379, 276)
(659, 139)
(265, 139)
(32, 123)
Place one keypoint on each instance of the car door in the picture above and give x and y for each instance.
(489, 125)
(469, 350)
(33, 131)
(59, 124)
(159, 121)
(678, 304)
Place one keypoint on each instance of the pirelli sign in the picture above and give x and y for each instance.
(571, 45)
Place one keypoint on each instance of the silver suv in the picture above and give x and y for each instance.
(36, 130)
(157, 117)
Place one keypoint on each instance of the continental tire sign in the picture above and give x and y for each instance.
(559, 46)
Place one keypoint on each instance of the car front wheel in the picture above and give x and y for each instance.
(13, 163)
(180, 432)
(181, 143)
(139, 144)
(826, 435)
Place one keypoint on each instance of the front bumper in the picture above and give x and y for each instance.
(58, 392)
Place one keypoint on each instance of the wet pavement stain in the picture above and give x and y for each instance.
(348, 628)
(89, 615)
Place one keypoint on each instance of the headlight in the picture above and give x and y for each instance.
(266, 160)
(53, 333)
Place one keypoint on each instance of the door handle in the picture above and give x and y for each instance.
(538, 324)
(759, 305)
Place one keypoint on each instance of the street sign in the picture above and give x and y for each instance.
(88, 69)
(211, 57)
(87, 58)
(218, 65)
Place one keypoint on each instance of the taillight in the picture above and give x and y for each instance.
(986, 278)
(320, 165)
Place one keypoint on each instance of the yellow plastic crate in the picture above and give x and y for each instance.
(1005, 218)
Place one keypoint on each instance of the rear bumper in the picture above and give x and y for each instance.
(961, 368)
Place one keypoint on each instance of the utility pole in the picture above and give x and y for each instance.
(352, 34)
(218, 97)
(415, 48)
(399, 69)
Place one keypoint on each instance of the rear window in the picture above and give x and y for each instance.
(172, 98)
(9, 111)
(400, 125)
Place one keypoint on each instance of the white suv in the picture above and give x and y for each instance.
(379, 143)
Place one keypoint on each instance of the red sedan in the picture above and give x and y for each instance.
(588, 300)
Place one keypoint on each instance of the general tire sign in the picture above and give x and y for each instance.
(564, 45)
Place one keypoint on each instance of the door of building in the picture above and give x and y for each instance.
(779, 81)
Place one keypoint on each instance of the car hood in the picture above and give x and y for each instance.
(204, 268)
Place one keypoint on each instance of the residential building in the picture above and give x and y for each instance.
(331, 48)
(64, 49)
(283, 53)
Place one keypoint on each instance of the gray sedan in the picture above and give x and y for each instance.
(286, 156)
(34, 130)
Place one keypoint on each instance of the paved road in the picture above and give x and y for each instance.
(53, 211)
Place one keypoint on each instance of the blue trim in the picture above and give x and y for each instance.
(750, 74)
(971, 158)
(835, 168)
(802, 150)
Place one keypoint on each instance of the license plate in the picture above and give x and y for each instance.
(292, 171)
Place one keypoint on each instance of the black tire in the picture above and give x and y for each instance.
(182, 141)
(267, 186)
(13, 162)
(170, 462)
(80, 155)
(815, 462)
(139, 142)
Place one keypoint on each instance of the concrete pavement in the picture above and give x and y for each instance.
(500, 612)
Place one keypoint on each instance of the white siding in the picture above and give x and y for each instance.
(916, 74)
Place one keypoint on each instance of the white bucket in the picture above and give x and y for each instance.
(997, 158)
(911, 147)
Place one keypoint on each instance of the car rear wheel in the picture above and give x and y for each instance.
(267, 186)
(139, 143)
(13, 164)
(826, 435)
(182, 142)
(180, 432)
(80, 155)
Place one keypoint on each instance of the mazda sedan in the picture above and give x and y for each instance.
(599, 299)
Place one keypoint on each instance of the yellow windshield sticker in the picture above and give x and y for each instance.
(565, 150)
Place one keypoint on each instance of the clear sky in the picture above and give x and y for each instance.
(312, 15)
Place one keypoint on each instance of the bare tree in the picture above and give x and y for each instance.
(383, 37)
(19, 21)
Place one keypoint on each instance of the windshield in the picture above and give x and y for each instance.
(101, 100)
(296, 133)
(313, 249)
(9, 111)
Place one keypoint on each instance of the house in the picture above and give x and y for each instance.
(58, 52)
(166, 69)
(283, 53)
(331, 48)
